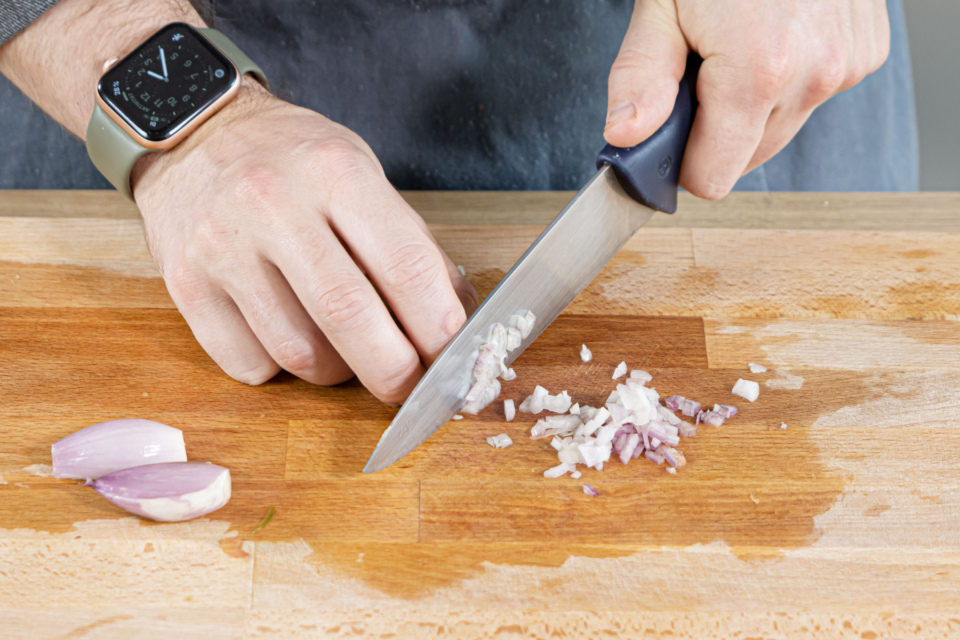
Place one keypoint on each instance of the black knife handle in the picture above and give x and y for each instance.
(649, 171)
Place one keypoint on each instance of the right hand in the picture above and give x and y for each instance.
(275, 229)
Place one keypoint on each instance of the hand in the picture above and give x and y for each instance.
(274, 229)
(767, 65)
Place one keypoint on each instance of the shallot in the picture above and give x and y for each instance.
(168, 492)
(590, 491)
(757, 368)
(746, 389)
(620, 371)
(118, 444)
(585, 354)
(501, 441)
(509, 411)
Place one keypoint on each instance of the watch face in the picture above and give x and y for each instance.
(167, 81)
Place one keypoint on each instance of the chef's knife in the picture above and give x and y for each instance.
(629, 187)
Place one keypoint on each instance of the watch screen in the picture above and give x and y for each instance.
(167, 81)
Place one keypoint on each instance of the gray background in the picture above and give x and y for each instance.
(935, 46)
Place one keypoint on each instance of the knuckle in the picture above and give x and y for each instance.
(344, 304)
(297, 355)
(257, 187)
(188, 285)
(395, 385)
(773, 68)
(412, 268)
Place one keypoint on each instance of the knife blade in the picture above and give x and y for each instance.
(628, 188)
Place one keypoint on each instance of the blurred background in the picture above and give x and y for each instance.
(935, 47)
(935, 50)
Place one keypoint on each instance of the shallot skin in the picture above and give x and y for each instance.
(168, 492)
(114, 445)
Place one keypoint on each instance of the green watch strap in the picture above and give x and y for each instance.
(112, 149)
(239, 58)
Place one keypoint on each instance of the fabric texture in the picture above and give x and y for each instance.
(489, 94)
(16, 15)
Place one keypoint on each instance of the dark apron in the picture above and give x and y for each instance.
(495, 94)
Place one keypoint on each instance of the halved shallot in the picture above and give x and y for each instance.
(118, 444)
(168, 492)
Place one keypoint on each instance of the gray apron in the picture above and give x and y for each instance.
(488, 94)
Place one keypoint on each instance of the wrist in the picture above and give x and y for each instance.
(252, 98)
(57, 60)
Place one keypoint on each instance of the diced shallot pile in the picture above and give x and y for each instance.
(632, 424)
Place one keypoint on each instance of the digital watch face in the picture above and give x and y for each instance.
(167, 81)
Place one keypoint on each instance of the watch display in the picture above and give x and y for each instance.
(167, 81)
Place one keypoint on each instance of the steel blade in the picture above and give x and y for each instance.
(566, 257)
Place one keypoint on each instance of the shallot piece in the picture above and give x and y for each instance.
(783, 425)
(462, 271)
(746, 389)
(671, 470)
(640, 374)
(524, 323)
(585, 354)
(620, 371)
(501, 441)
(559, 470)
(480, 395)
(726, 410)
(509, 411)
(674, 403)
(757, 368)
(115, 445)
(576, 475)
(590, 491)
(457, 416)
(168, 492)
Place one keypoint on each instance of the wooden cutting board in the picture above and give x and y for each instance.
(844, 525)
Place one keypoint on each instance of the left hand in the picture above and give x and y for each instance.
(767, 64)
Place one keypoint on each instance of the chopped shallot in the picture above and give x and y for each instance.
(585, 354)
(575, 409)
(462, 271)
(590, 491)
(746, 389)
(509, 410)
(726, 410)
(501, 441)
(671, 470)
(640, 374)
(757, 368)
(576, 475)
(457, 416)
(559, 470)
(783, 425)
(491, 362)
(620, 371)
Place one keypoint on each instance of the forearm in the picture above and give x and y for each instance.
(58, 59)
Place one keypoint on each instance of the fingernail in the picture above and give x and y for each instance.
(621, 112)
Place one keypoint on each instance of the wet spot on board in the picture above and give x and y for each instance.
(876, 510)
(917, 254)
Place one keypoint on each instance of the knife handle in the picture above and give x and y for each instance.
(649, 172)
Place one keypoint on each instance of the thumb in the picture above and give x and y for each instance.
(645, 77)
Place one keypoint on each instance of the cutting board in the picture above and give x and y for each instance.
(846, 524)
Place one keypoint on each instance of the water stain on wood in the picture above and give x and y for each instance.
(756, 490)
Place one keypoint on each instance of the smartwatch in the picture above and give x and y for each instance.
(160, 93)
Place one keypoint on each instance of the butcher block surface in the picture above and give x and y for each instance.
(846, 524)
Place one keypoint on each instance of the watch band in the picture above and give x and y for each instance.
(114, 152)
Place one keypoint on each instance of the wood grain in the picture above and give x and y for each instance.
(844, 525)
